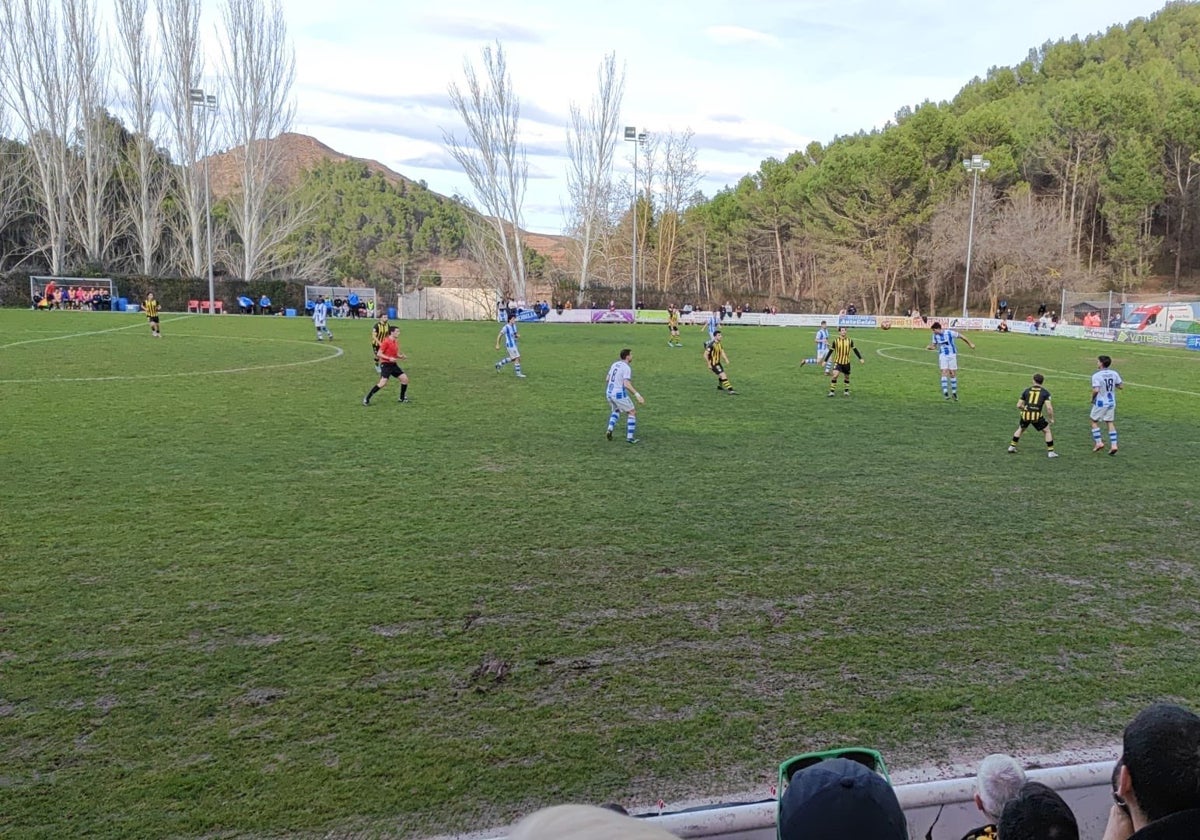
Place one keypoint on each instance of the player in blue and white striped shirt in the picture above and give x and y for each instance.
(509, 333)
(617, 390)
(1105, 384)
(320, 312)
(822, 348)
(714, 322)
(943, 343)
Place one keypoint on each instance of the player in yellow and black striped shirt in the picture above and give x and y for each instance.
(1036, 411)
(151, 307)
(673, 326)
(839, 353)
(378, 334)
(714, 356)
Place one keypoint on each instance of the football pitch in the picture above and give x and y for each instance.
(234, 602)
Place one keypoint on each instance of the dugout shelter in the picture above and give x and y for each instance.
(100, 291)
(361, 300)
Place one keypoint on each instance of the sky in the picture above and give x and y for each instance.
(751, 78)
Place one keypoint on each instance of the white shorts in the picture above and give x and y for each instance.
(513, 352)
(623, 404)
(949, 362)
(1103, 413)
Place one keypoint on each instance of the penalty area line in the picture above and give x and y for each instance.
(74, 335)
(337, 353)
(144, 376)
(882, 352)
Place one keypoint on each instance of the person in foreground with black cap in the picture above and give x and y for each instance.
(838, 799)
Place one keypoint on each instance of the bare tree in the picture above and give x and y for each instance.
(494, 158)
(260, 66)
(1021, 244)
(480, 241)
(143, 175)
(1024, 247)
(591, 145)
(35, 81)
(680, 177)
(940, 251)
(179, 24)
(97, 135)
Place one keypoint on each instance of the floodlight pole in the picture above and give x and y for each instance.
(975, 165)
(637, 138)
(207, 103)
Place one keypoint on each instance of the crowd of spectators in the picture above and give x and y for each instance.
(1156, 796)
(541, 308)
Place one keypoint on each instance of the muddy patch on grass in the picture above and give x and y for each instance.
(84, 655)
(258, 697)
(433, 629)
(491, 672)
(259, 640)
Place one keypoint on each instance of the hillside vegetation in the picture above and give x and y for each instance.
(1093, 182)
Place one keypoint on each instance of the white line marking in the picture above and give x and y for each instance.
(338, 351)
(882, 352)
(74, 335)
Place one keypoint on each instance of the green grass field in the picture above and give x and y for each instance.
(234, 602)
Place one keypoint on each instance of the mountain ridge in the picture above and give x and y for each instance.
(301, 152)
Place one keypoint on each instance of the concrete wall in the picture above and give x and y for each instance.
(941, 810)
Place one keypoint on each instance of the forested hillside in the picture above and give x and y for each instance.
(373, 228)
(1093, 148)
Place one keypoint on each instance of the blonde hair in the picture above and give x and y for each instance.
(585, 822)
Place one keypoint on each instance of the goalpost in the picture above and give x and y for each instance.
(73, 292)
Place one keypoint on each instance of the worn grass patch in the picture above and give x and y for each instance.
(235, 602)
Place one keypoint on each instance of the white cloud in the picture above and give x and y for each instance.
(740, 35)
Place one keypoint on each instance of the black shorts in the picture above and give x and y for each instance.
(390, 370)
(843, 369)
(1040, 424)
(153, 319)
(717, 369)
